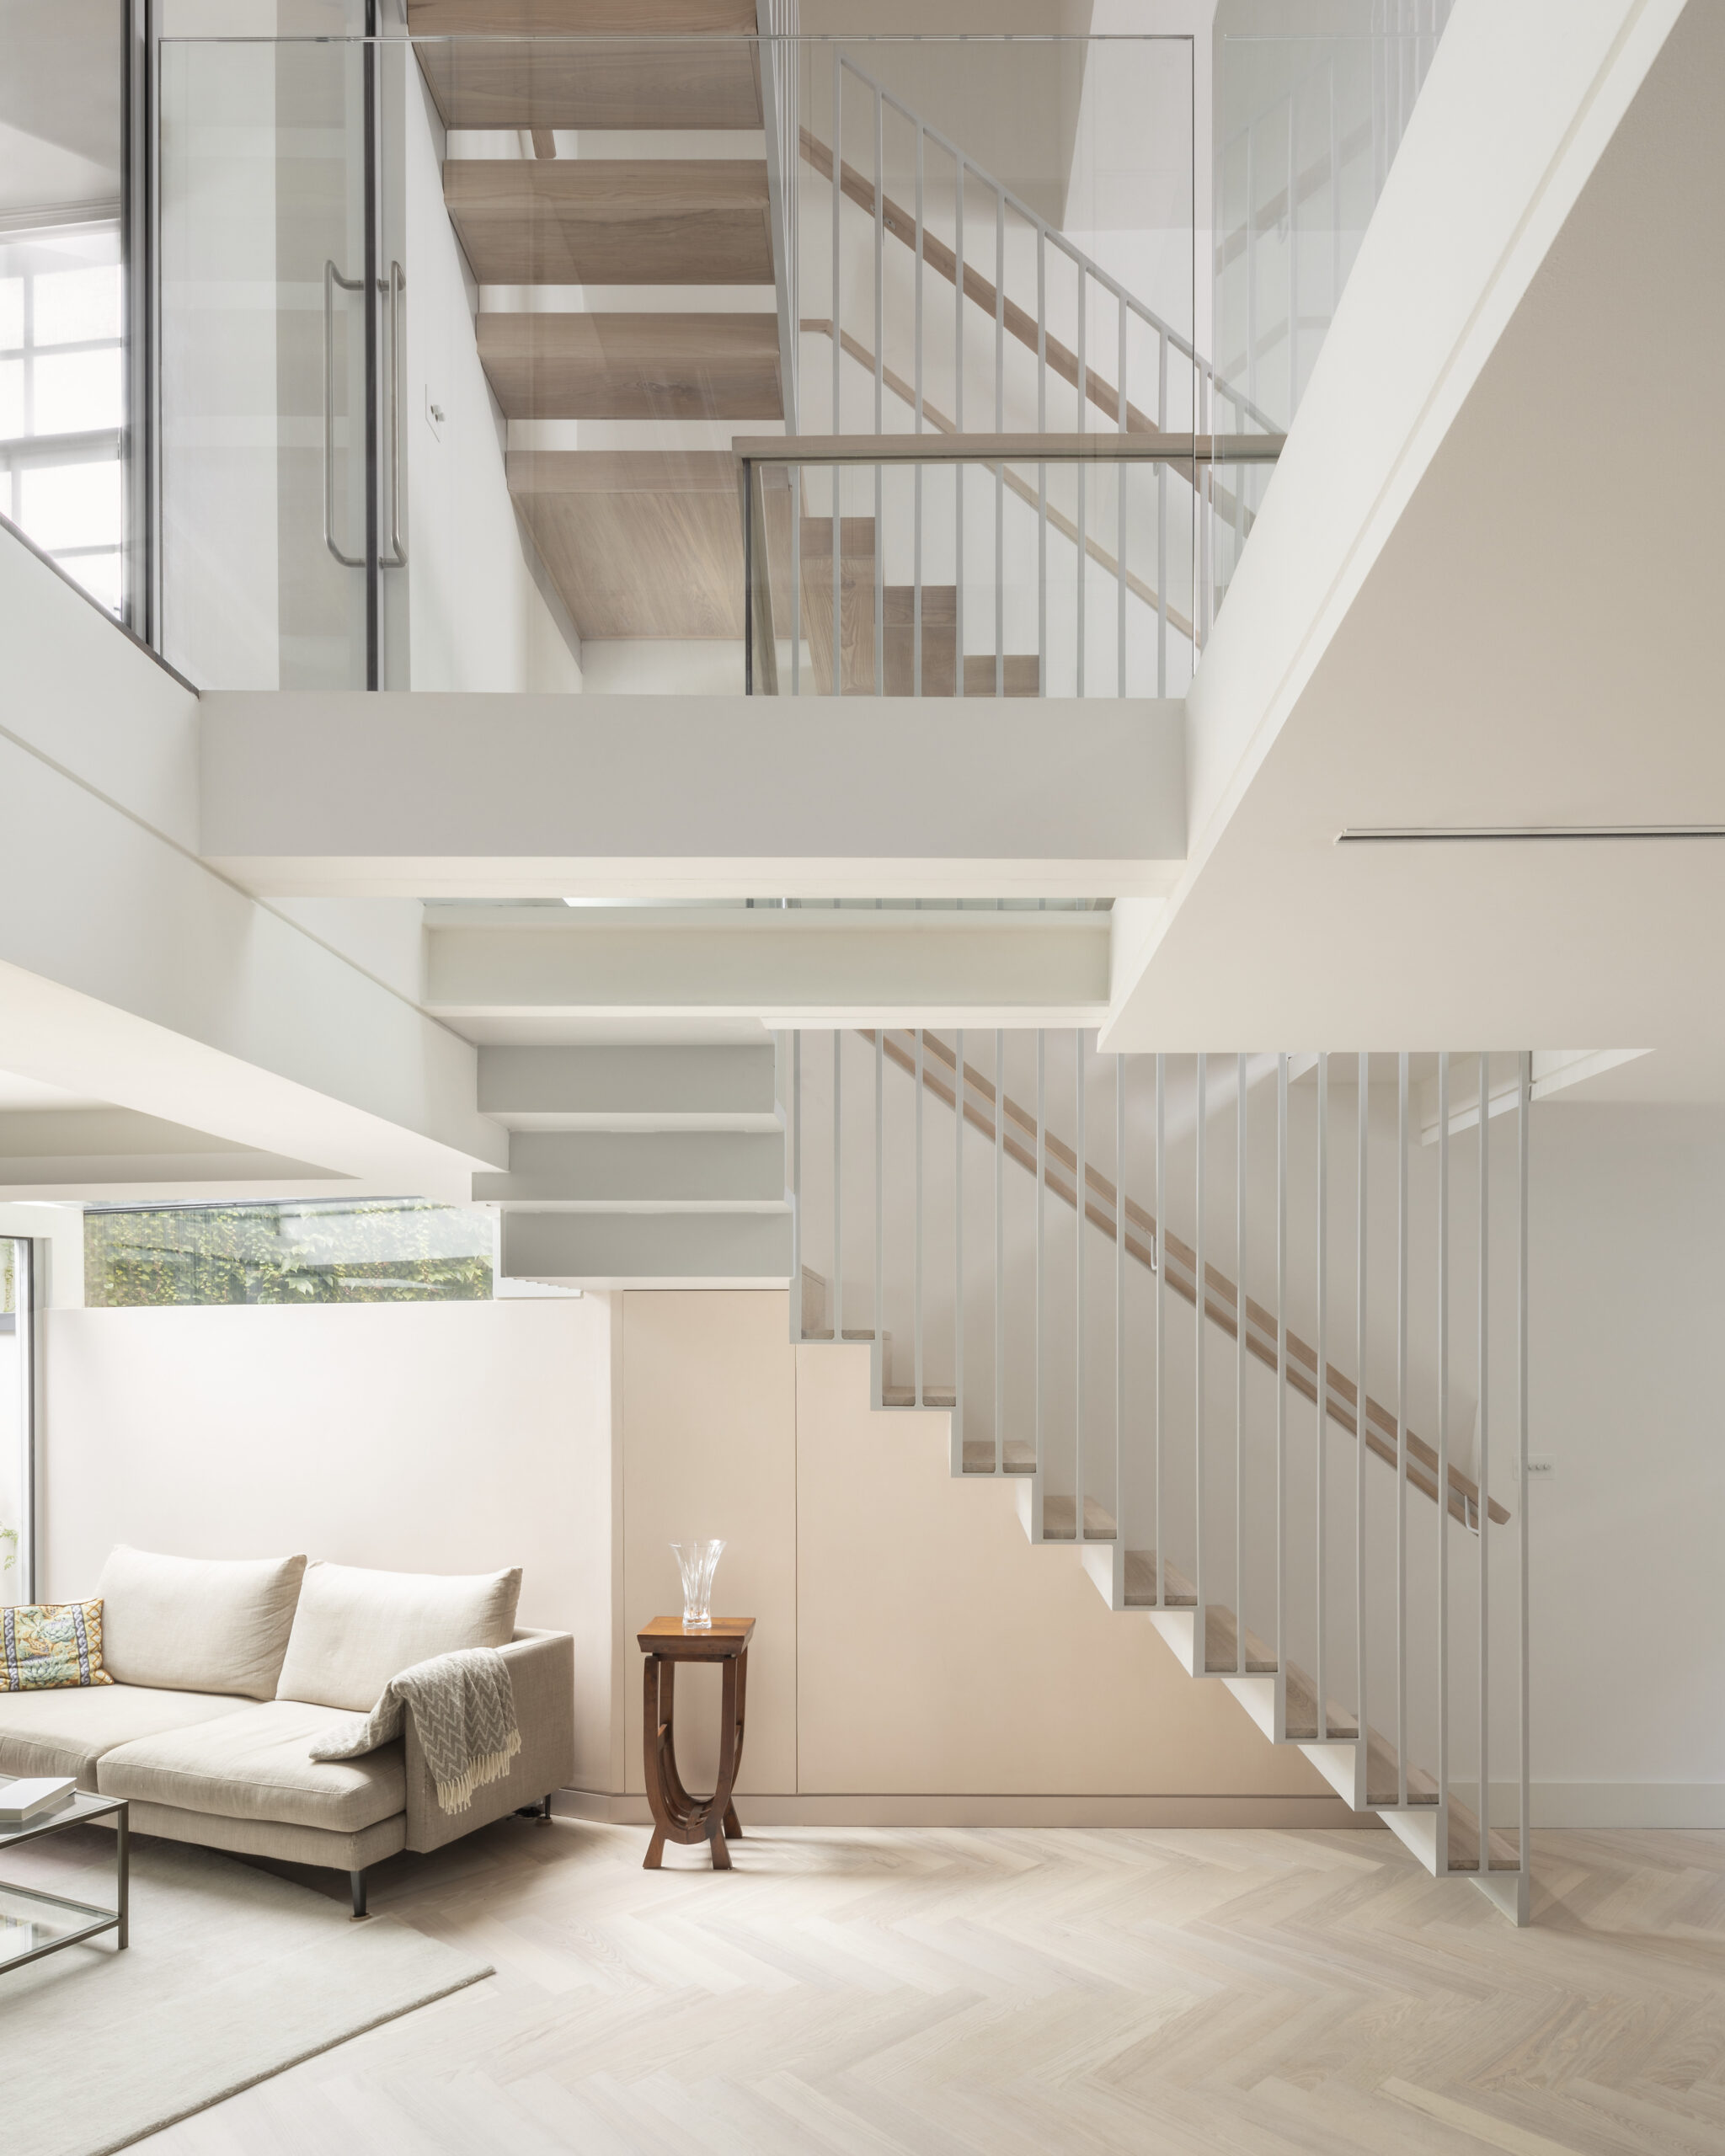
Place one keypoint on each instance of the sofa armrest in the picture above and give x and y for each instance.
(541, 1668)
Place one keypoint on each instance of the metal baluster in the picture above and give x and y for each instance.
(959, 423)
(1120, 500)
(1120, 1541)
(916, 1329)
(795, 1186)
(999, 1252)
(917, 572)
(1281, 1362)
(879, 389)
(1000, 422)
(838, 1248)
(1293, 263)
(1239, 1364)
(1041, 1178)
(1523, 1090)
(1443, 1852)
(1402, 1431)
(1323, 1372)
(1359, 1398)
(958, 1250)
(1202, 1654)
(1078, 477)
(1482, 1476)
(880, 1207)
(1160, 1252)
(1041, 469)
(838, 193)
(1078, 1282)
(1162, 524)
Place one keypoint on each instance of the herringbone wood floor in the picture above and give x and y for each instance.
(1017, 1992)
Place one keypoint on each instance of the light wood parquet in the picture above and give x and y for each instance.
(1017, 1992)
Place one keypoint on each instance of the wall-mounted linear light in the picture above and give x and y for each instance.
(1476, 834)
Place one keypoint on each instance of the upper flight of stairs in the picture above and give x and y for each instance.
(643, 542)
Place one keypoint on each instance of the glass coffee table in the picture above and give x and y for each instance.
(32, 1923)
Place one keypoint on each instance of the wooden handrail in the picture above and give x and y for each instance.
(1020, 487)
(1019, 325)
(1101, 1206)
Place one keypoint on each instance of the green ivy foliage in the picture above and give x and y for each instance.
(350, 1250)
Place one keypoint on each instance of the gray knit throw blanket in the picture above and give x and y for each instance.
(464, 1710)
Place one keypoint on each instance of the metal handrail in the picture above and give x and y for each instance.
(1006, 449)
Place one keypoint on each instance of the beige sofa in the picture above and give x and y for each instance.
(226, 1671)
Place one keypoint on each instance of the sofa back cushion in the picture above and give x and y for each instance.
(355, 1630)
(198, 1624)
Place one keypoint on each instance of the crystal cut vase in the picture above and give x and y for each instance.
(697, 1561)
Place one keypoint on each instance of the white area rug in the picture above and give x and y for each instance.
(232, 1975)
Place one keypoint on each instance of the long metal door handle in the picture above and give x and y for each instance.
(398, 285)
(332, 278)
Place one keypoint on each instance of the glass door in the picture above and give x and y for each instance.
(272, 359)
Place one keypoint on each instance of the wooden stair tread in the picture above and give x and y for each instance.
(640, 543)
(628, 220)
(633, 366)
(1018, 1457)
(668, 64)
(1058, 1512)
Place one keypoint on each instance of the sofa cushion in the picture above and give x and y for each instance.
(355, 1630)
(45, 1645)
(198, 1624)
(257, 1764)
(66, 1732)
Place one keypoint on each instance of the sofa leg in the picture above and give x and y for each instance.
(541, 1811)
(356, 1880)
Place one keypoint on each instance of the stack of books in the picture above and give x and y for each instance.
(33, 1797)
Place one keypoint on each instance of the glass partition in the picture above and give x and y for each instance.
(457, 335)
(17, 1421)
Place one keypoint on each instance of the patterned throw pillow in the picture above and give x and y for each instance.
(46, 1644)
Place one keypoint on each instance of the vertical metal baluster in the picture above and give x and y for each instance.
(999, 1252)
(1523, 1090)
(917, 1327)
(1293, 263)
(1402, 1431)
(838, 193)
(958, 1250)
(1443, 1852)
(880, 1207)
(1041, 469)
(796, 479)
(1041, 1178)
(1323, 1373)
(958, 423)
(838, 1246)
(1360, 1399)
(1202, 1656)
(1483, 1466)
(879, 390)
(1078, 1282)
(1120, 1539)
(1078, 475)
(1162, 524)
(1239, 1364)
(795, 1186)
(1160, 1252)
(1000, 425)
(1120, 500)
(1281, 1362)
(917, 576)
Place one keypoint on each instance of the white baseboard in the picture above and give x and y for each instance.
(990, 1811)
(1673, 1806)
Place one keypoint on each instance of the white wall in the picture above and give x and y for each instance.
(432, 1437)
(475, 618)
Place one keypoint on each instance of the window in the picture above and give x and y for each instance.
(62, 399)
(299, 1251)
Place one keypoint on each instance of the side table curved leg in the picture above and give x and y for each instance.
(731, 1824)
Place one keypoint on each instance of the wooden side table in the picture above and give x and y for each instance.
(677, 1816)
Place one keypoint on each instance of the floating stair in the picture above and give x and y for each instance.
(602, 221)
(633, 366)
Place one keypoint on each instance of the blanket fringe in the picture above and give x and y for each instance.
(489, 1767)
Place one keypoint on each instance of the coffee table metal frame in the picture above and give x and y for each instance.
(83, 1806)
